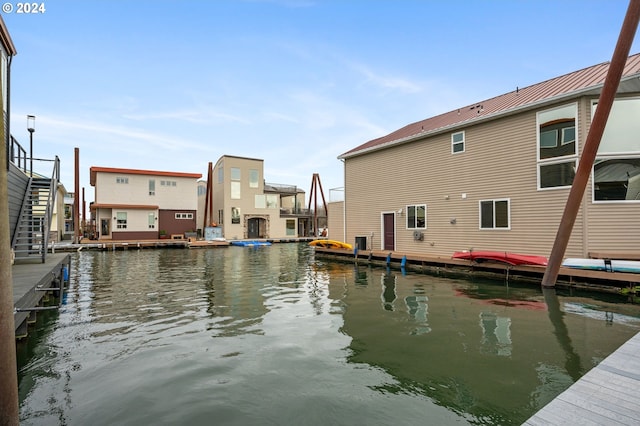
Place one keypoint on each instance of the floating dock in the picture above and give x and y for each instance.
(33, 284)
(606, 395)
(568, 277)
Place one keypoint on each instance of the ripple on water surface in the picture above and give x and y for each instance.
(270, 336)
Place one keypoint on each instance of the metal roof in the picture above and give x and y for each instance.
(587, 81)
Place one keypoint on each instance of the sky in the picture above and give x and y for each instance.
(173, 85)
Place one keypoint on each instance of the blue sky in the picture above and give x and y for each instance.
(174, 85)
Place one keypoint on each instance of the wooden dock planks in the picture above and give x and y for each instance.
(607, 395)
(27, 278)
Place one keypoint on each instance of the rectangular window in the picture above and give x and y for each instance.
(220, 217)
(235, 215)
(121, 179)
(184, 216)
(557, 147)
(417, 217)
(457, 142)
(121, 220)
(221, 175)
(235, 173)
(616, 170)
(254, 178)
(152, 187)
(235, 190)
(291, 227)
(152, 220)
(272, 201)
(495, 214)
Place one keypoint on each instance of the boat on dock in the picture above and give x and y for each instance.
(611, 265)
(250, 243)
(332, 244)
(501, 256)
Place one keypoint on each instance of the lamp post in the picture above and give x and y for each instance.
(31, 127)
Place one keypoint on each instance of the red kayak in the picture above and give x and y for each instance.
(501, 256)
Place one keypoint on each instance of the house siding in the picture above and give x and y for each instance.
(17, 185)
(272, 223)
(499, 162)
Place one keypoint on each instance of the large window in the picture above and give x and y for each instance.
(235, 183)
(616, 171)
(495, 214)
(557, 147)
(291, 227)
(417, 217)
(457, 142)
(235, 215)
(254, 178)
(121, 220)
(266, 201)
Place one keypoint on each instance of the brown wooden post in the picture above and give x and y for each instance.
(208, 201)
(612, 80)
(76, 198)
(84, 214)
(9, 412)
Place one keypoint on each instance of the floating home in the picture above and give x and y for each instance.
(496, 174)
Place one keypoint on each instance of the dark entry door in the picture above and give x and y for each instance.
(104, 227)
(253, 228)
(389, 231)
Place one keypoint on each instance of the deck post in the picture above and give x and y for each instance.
(9, 412)
(607, 96)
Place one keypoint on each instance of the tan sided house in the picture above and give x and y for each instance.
(143, 204)
(495, 175)
(245, 207)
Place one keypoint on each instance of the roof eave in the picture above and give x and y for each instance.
(488, 117)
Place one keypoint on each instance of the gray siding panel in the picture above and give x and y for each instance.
(17, 185)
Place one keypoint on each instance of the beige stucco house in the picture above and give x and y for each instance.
(143, 204)
(246, 207)
(495, 175)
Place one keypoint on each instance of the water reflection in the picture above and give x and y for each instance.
(520, 356)
(272, 335)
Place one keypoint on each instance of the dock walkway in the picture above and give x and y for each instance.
(31, 283)
(606, 395)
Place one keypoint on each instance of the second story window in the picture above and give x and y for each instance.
(152, 187)
(254, 178)
(122, 179)
(457, 142)
(557, 147)
(235, 183)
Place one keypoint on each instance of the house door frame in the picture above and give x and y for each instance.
(105, 225)
(388, 231)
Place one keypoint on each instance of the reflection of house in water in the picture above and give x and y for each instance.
(458, 364)
(388, 295)
(417, 308)
(496, 334)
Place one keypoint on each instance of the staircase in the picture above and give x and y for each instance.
(31, 237)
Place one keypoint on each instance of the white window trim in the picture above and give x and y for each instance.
(555, 160)
(406, 212)
(494, 228)
(463, 142)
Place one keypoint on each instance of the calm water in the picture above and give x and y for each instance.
(270, 336)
